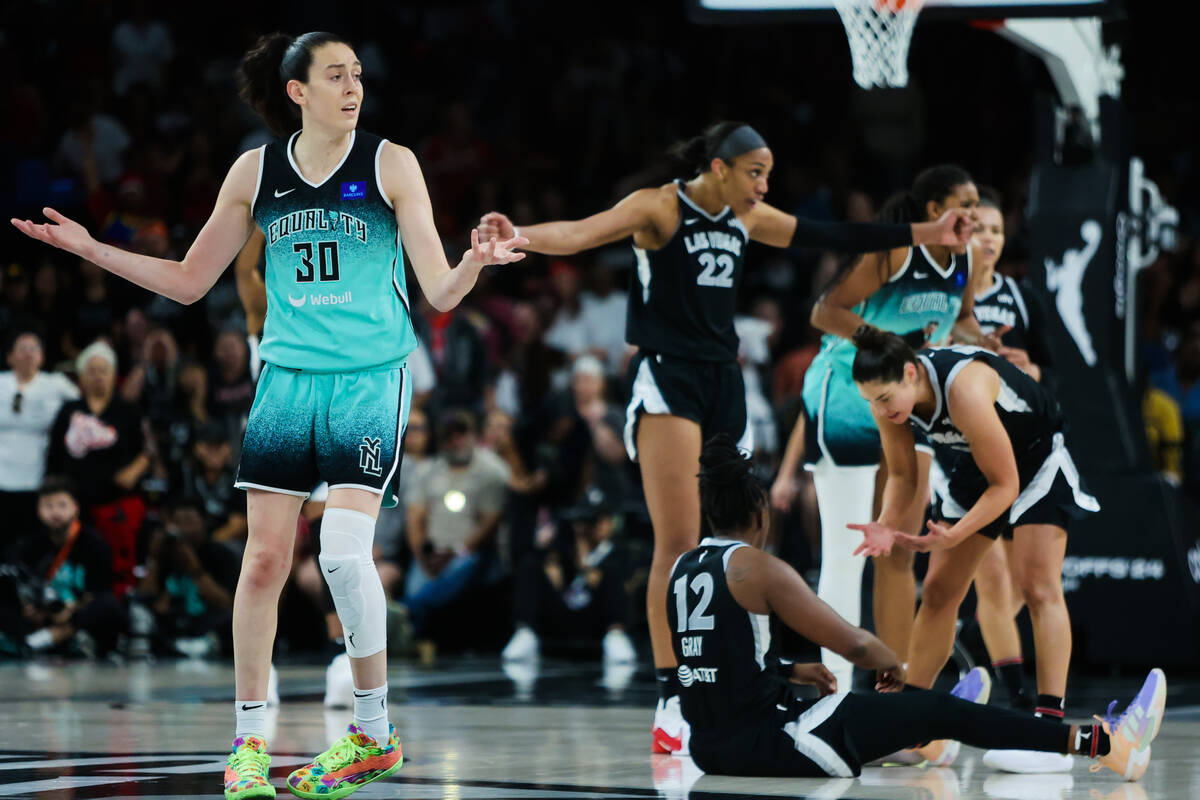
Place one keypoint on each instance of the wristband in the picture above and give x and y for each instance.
(516, 231)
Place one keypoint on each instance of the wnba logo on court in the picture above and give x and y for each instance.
(368, 456)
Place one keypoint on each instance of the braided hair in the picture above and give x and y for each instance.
(731, 498)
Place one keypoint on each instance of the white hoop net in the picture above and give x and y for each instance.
(879, 32)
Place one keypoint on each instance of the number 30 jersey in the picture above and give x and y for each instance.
(726, 675)
(336, 294)
(683, 296)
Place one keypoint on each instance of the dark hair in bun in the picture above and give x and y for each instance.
(881, 355)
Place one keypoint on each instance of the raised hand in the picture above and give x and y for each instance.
(60, 232)
(877, 539)
(938, 537)
(495, 225)
(494, 252)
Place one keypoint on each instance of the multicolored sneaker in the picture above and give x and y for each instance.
(1131, 733)
(671, 732)
(246, 770)
(975, 687)
(351, 763)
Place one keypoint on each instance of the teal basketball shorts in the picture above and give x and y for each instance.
(345, 428)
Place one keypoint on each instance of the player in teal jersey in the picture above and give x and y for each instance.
(334, 346)
(919, 291)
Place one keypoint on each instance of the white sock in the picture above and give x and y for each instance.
(40, 640)
(370, 713)
(844, 495)
(251, 718)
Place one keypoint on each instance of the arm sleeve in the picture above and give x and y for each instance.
(851, 237)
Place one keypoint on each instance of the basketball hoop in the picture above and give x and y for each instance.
(879, 32)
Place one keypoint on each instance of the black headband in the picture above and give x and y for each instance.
(741, 139)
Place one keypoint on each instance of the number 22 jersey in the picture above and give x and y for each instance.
(683, 296)
(336, 294)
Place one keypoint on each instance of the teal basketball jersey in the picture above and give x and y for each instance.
(921, 294)
(336, 294)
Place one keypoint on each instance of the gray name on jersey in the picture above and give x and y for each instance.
(316, 219)
(713, 240)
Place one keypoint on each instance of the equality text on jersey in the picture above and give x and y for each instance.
(713, 240)
(316, 219)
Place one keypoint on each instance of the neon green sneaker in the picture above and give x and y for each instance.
(246, 771)
(351, 763)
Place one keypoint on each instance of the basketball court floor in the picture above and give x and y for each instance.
(472, 731)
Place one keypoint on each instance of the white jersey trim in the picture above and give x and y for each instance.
(997, 282)
(816, 749)
(1019, 299)
(379, 175)
(275, 489)
(646, 395)
(937, 395)
(262, 159)
(903, 268)
(401, 425)
(938, 267)
(1059, 460)
(362, 486)
(698, 209)
(332, 172)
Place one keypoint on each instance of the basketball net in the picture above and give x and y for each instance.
(879, 32)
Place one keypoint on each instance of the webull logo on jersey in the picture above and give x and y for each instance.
(320, 299)
(689, 675)
(713, 240)
(316, 219)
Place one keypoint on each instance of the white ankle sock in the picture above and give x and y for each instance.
(370, 713)
(251, 718)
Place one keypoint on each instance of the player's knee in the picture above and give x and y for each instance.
(354, 583)
(1041, 591)
(898, 563)
(264, 569)
(942, 592)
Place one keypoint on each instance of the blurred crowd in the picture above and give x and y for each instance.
(121, 413)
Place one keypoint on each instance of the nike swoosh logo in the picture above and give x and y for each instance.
(281, 194)
(333, 570)
(367, 694)
(920, 275)
(251, 708)
(690, 221)
(352, 640)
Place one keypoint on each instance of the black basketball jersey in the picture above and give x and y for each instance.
(726, 676)
(682, 297)
(1029, 414)
(1003, 304)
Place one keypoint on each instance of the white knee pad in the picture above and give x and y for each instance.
(353, 580)
(844, 495)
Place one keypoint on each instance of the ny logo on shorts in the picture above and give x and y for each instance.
(368, 456)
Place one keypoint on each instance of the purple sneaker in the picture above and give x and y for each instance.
(975, 686)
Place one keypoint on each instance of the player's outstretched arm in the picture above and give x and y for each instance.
(761, 583)
(902, 496)
(776, 228)
(184, 281)
(404, 185)
(645, 209)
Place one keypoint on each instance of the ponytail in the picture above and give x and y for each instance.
(881, 355)
(725, 140)
(266, 68)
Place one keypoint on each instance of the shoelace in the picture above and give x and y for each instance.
(1112, 723)
(248, 757)
(345, 751)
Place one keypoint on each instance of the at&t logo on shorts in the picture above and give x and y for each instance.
(354, 190)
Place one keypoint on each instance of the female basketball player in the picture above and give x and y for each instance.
(690, 238)
(333, 204)
(1000, 308)
(920, 292)
(1002, 434)
(745, 719)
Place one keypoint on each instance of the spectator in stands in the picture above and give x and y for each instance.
(141, 47)
(29, 402)
(100, 443)
(606, 458)
(50, 308)
(390, 547)
(1181, 380)
(453, 516)
(459, 361)
(77, 605)
(575, 586)
(207, 477)
(189, 583)
(230, 387)
(152, 383)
